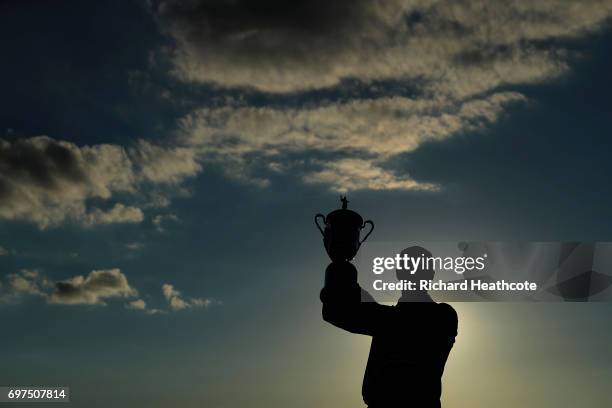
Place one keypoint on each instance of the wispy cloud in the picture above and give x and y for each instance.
(168, 164)
(27, 282)
(141, 305)
(355, 174)
(160, 221)
(177, 302)
(364, 133)
(134, 246)
(119, 213)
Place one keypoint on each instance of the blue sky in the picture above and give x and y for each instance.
(151, 144)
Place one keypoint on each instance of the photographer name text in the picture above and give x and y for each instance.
(439, 285)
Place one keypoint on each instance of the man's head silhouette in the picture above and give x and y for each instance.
(422, 272)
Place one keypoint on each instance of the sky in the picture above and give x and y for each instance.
(161, 162)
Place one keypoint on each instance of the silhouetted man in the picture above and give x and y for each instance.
(410, 341)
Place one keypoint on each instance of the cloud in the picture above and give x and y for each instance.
(363, 134)
(463, 47)
(141, 305)
(202, 302)
(49, 182)
(355, 174)
(92, 289)
(134, 246)
(137, 304)
(458, 58)
(382, 126)
(28, 282)
(176, 302)
(161, 219)
(239, 40)
(120, 213)
(164, 164)
(173, 297)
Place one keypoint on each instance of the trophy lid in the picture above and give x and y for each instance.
(344, 215)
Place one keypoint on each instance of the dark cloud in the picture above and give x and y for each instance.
(263, 33)
(42, 162)
(93, 288)
(231, 17)
(48, 181)
(224, 22)
(288, 46)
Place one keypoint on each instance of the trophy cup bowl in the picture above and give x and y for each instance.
(341, 232)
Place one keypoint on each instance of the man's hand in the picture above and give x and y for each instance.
(340, 282)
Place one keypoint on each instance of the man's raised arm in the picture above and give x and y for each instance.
(347, 306)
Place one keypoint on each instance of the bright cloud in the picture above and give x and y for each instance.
(365, 132)
(177, 302)
(137, 304)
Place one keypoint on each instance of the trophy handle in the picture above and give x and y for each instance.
(317, 223)
(369, 232)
